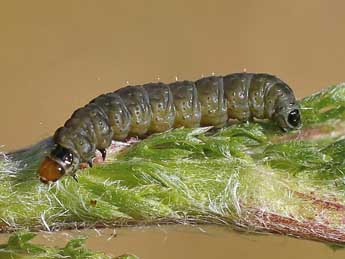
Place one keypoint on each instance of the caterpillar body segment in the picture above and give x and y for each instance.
(137, 101)
(213, 104)
(158, 107)
(117, 112)
(163, 110)
(187, 105)
(236, 89)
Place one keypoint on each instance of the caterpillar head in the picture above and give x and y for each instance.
(289, 117)
(61, 161)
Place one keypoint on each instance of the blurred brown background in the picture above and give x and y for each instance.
(57, 55)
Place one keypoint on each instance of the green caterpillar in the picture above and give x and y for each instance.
(157, 107)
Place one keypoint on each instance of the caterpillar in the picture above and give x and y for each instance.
(157, 107)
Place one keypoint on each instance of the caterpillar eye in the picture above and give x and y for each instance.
(294, 118)
(63, 154)
(50, 171)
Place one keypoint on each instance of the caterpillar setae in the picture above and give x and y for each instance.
(158, 107)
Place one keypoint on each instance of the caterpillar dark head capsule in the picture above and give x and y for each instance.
(137, 111)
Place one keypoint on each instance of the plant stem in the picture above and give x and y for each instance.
(250, 175)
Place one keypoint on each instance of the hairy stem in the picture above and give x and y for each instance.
(249, 176)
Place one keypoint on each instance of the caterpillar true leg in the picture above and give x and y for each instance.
(103, 152)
